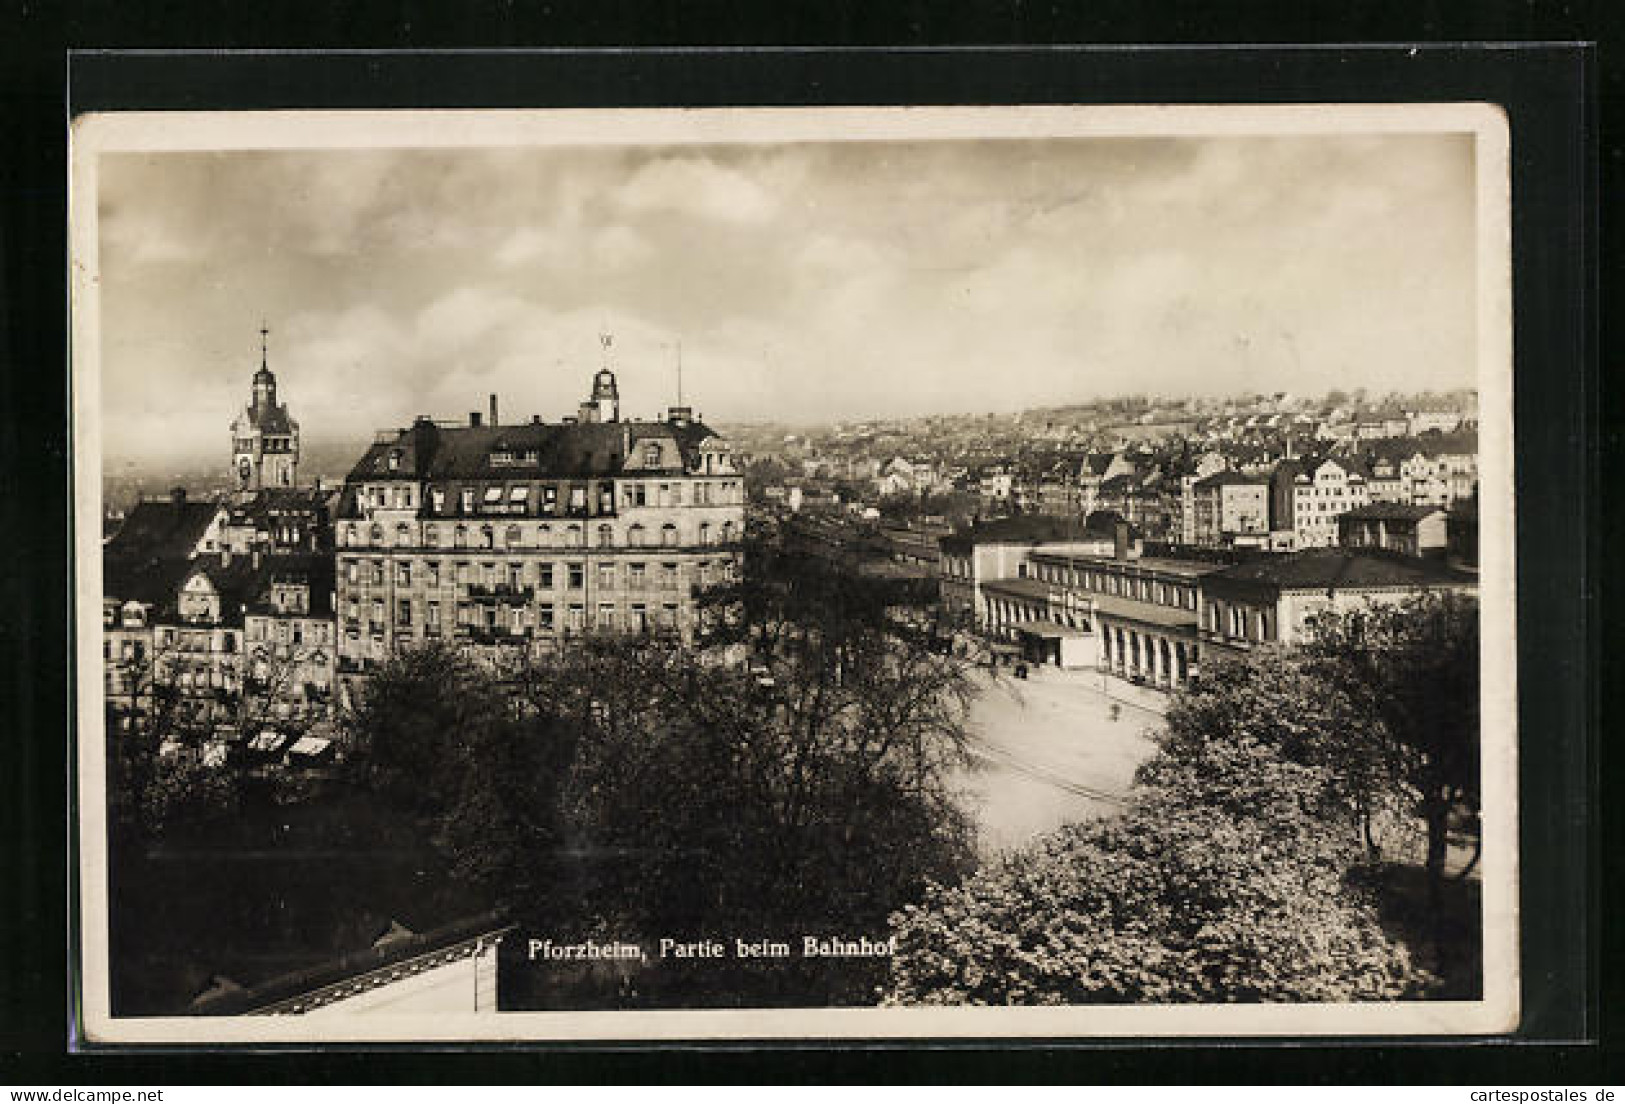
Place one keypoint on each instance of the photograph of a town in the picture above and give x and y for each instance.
(910, 572)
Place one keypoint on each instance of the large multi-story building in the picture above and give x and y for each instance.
(525, 534)
(1230, 508)
(1308, 496)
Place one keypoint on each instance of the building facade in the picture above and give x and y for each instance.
(1408, 530)
(1274, 601)
(491, 534)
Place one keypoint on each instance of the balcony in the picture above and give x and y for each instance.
(501, 592)
(492, 634)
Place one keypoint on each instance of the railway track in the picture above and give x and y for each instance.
(984, 750)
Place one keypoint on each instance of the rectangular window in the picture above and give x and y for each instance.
(516, 621)
(606, 615)
(668, 575)
(544, 618)
(578, 576)
(544, 576)
(550, 500)
(431, 615)
(432, 571)
(516, 575)
(634, 576)
(403, 612)
(578, 499)
(578, 617)
(606, 576)
(640, 618)
(350, 571)
(378, 573)
(403, 573)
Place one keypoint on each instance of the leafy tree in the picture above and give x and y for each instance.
(1226, 882)
(1285, 699)
(1414, 668)
(441, 735)
(157, 780)
(636, 786)
(706, 799)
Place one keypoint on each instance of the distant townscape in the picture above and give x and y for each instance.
(819, 625)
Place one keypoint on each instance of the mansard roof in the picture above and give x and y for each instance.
(430, 451)
(1341, 569)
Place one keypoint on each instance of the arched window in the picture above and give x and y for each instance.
(403, 535)
(349, 535)
(377, 534)
(634, 536)
(727, 532)
(488, 537)
(574, 537)
(544, 536)
(705, 532)
(606, 536)
(668, 535)
(431, 536)
(460, 536)
(511, 538)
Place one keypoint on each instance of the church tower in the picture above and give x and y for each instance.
(264, 439)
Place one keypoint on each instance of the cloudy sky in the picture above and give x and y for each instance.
(806, 282)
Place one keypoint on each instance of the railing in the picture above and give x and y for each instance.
(502, 591)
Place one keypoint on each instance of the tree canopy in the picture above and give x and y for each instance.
(1225, 882)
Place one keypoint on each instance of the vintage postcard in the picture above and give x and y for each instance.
(794, 574)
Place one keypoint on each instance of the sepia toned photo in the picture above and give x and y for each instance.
(794, 574)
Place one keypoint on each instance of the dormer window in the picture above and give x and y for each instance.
(468, 500)
(651, 454)
(439, 500)
(395, 460)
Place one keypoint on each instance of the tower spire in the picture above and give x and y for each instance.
(265, 332)
(679, 371)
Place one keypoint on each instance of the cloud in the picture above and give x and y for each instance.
(698, 188)
(811, 282)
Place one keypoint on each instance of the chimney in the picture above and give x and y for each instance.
(493, 408)
(535, 419)
(474, 418)
(1120, 540)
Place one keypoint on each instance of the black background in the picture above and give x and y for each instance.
(1566, 437)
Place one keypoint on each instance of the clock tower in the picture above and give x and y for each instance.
(264, 439)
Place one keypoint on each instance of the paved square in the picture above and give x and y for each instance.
(1049, 750)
